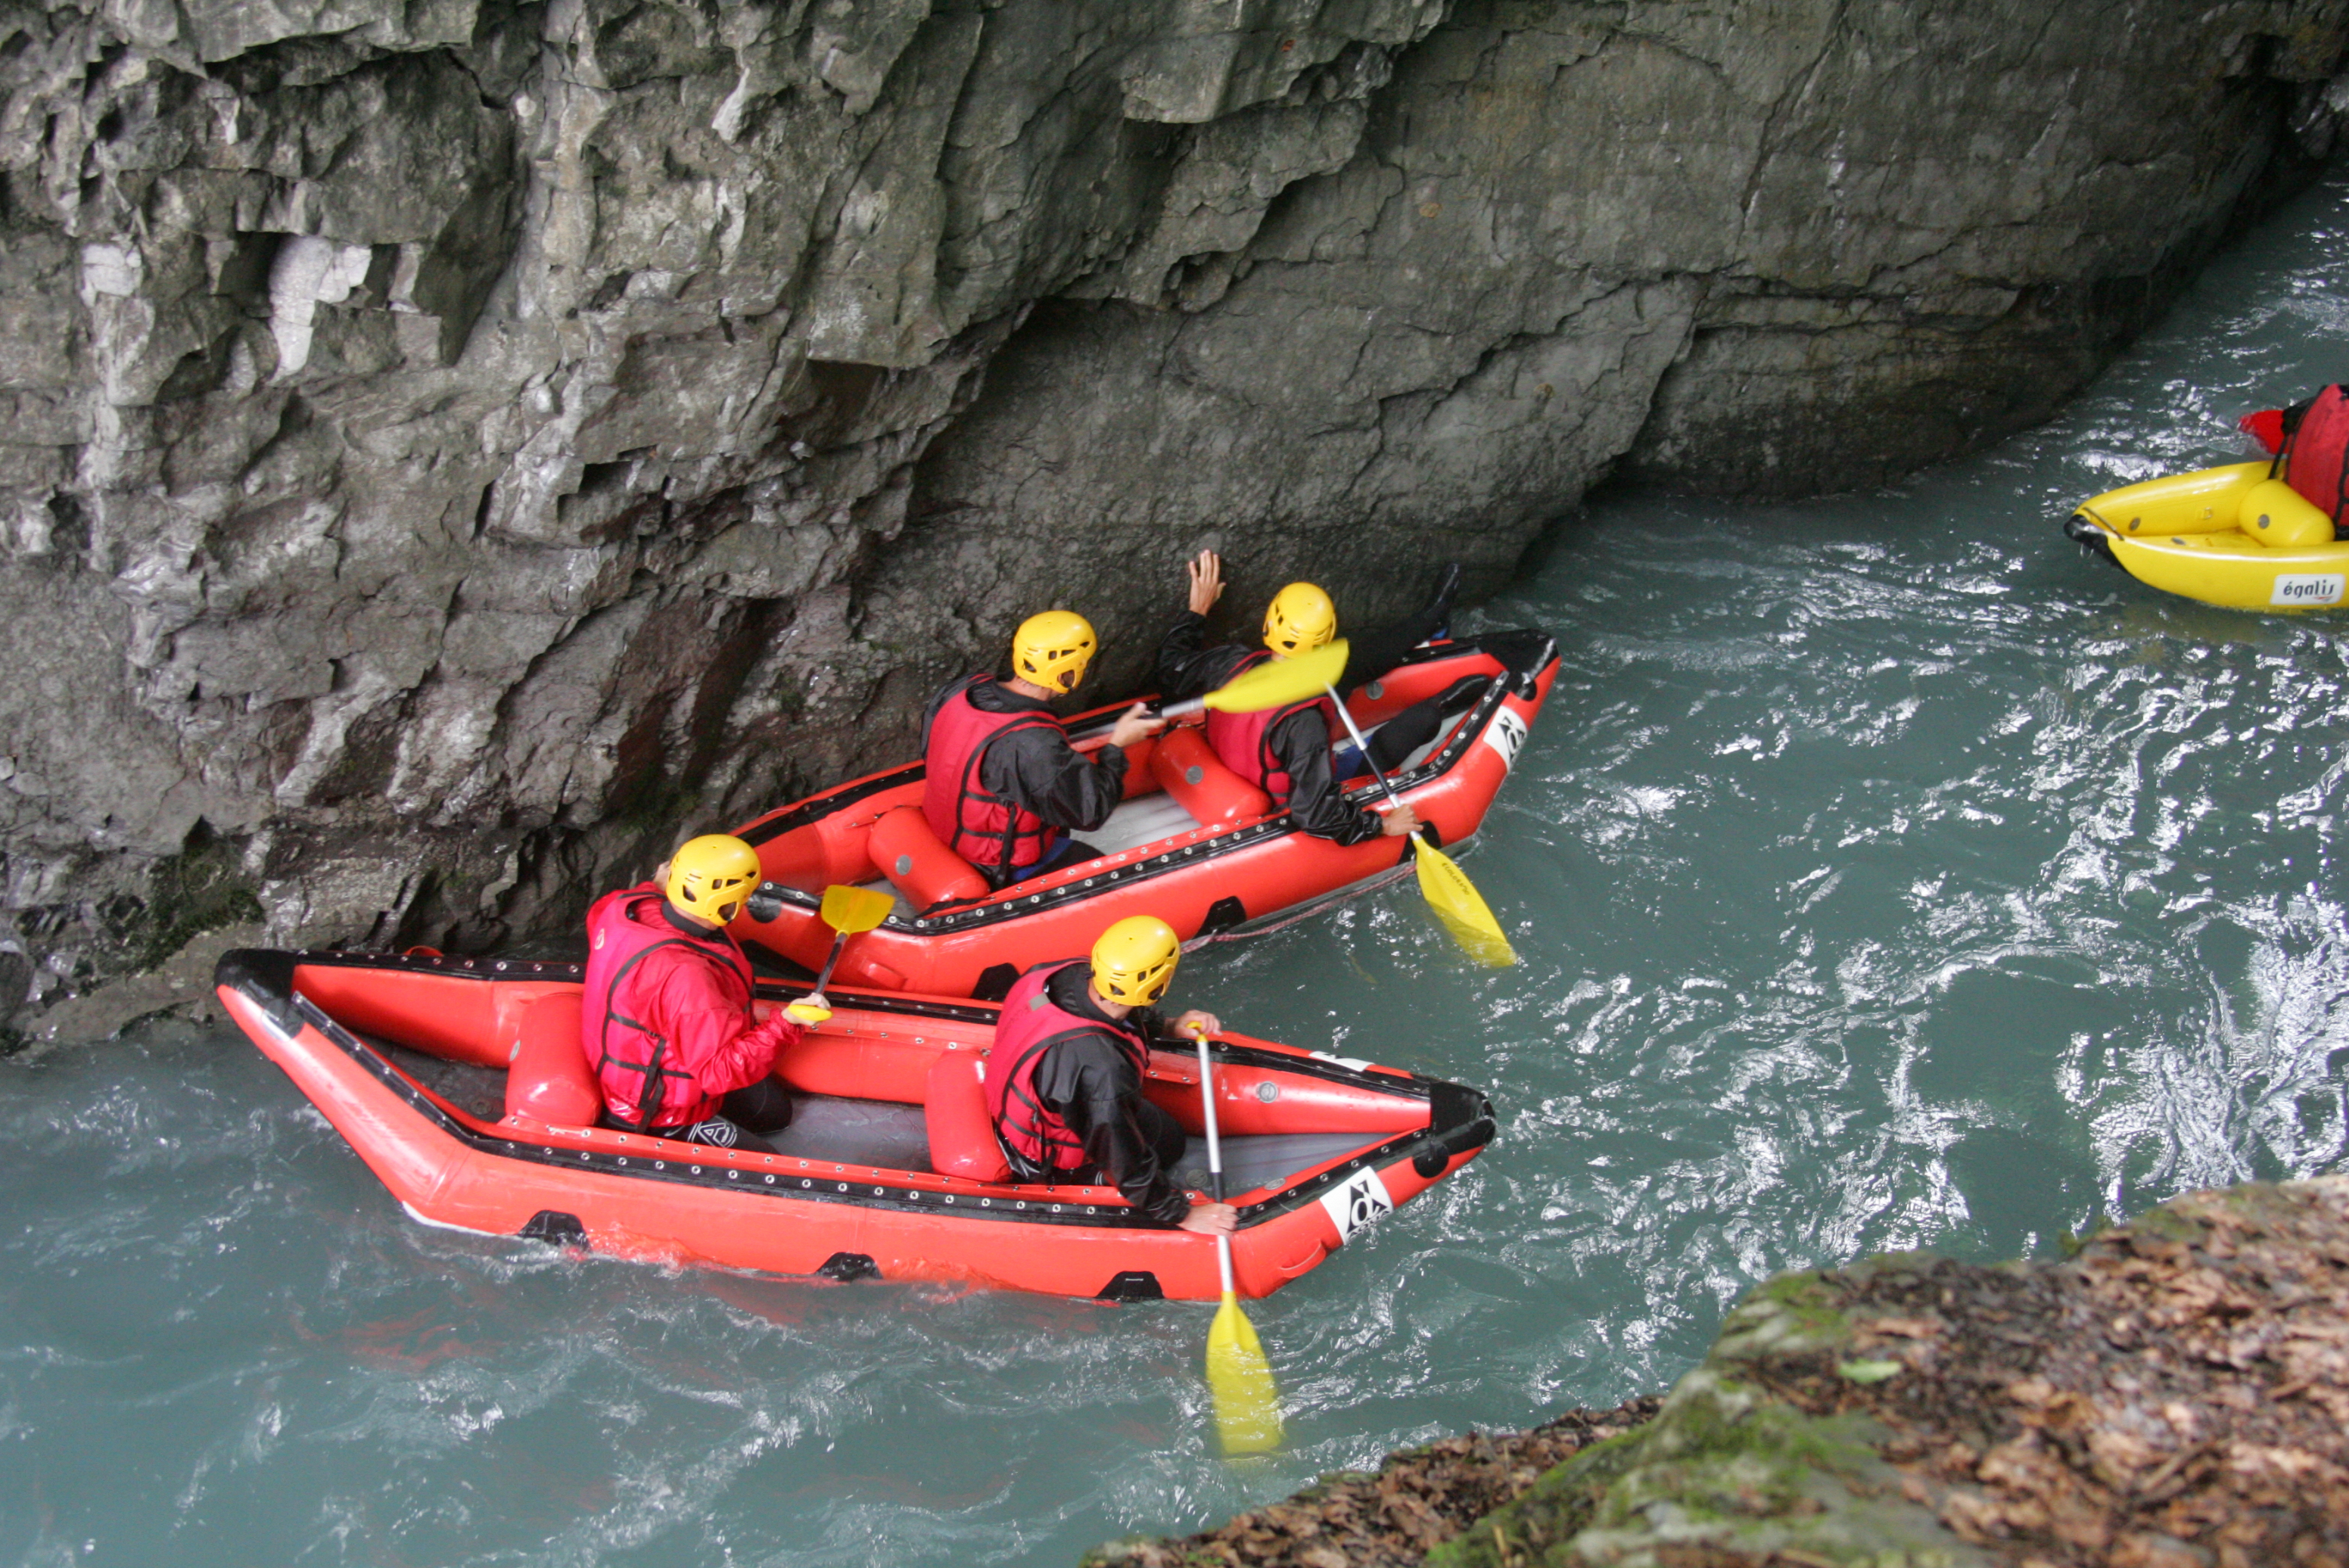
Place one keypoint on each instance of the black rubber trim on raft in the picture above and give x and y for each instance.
(1522, 654)
(1461, 1119)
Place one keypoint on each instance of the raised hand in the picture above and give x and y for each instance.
(1206, 581)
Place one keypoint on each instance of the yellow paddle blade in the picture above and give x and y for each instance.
(1462, 908)
(849, 910)
(1247, 1406)
(1277, 682)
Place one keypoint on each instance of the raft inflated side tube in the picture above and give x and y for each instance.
(2280, 517)
(1189, 769)
(953, 1113)
(547, 1078)
(909, 853)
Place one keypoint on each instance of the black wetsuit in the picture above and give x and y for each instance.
(1089, 1082)
(1301, 741)
(1038, 769)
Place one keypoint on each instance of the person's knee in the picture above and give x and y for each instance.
(762, 1107)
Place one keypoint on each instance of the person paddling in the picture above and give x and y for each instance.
(1065, 1078)
(1287, 752)
(666, 1017)
(1003, 787)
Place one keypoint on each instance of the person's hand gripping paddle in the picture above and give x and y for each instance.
(1443, 883)
(1239, 1380)
(1276, 683)
(848, 909)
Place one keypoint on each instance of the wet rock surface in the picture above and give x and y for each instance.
(452, 450)
(2175, 1395)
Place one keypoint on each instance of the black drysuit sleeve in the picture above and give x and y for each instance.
(1186, 669)
(1089, 1083)
(1037, 769)
(1319, 805)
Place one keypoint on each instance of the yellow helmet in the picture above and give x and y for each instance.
(1053, 649)
(1300, 619)
(1134, 959)
(712, 875)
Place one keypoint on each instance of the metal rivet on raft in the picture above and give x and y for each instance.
(1374, 691)
(1056, 1208)
(733, 1175)
(1023, 1204)
(697, 1170)
(1267, 1091)
(623, 1159)
(876, 1192)
(770, 1181)
(904, 864)
(949, 1197)
(983, 1202)
(660, 1164)
(803, 1181)
(843, 1186)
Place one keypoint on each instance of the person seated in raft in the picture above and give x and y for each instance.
(1004, 787)
(1288, 751)
(2310, 443)
(666, 1017)
(1065, 1078)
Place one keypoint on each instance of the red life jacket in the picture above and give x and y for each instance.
(2315, 461)
(992, 834)
(1244, 741)
(1039, 1142)
(643, 1086)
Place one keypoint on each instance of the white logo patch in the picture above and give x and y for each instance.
(1504, 735)
(1357, 1203)
(2307, 588)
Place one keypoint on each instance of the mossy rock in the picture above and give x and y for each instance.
(1728, 1469)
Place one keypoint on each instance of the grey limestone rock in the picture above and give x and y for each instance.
(452, 448)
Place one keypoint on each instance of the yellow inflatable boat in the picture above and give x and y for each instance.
(2228, 536)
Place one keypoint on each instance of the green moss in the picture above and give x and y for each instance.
(200, 889)
(1548, 1513)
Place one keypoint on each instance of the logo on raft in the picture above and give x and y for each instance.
(1504, 735)
(1357, 1203)
(2307, 588)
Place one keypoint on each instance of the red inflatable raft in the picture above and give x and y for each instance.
(461, 1084)
(1193, 843)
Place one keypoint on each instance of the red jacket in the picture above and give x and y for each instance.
(666, 1018)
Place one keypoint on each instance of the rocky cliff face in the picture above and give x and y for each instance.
(451, 445)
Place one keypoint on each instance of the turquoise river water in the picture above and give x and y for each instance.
(1885, 874)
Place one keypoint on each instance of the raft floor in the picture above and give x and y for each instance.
(894, 1137)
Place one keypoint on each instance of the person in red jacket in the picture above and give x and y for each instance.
(1064, 1076)
(665, 1017)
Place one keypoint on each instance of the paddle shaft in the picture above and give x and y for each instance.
(838, 942)
(1360, 745)
(1215, 1157)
